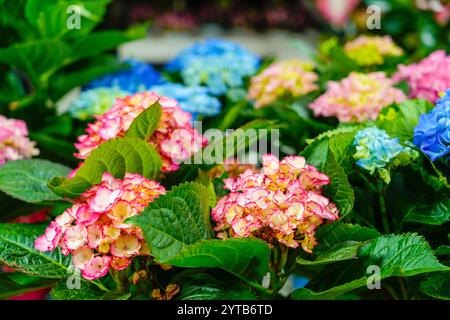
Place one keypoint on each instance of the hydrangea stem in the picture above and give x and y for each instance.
(384, 216)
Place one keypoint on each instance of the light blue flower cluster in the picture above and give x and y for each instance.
(375, 150)
(139, 77)
(194, 100)
(432, 133)
(95, 102)
(216, 64)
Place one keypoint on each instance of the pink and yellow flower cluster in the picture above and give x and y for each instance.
(291, 78)
(371, 50)
(174, 138)
(427, 78)
(283, 203)
(94, 229)
(357, 98)
(14, 141)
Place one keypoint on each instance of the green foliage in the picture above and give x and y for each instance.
(145, 124)
(116, 156)
(396, 255)
(437, 285)
(87, 291)
(399, 120)
(176, 220)
(17, 251)
(202, 286)
(27, 179)
(14, 284)
(177, 229)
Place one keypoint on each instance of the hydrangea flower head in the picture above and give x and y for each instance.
(216, 64)
(14, 141)
(371, 50)
(282, 203)
(432, 133)
(375, 151)
(95, 102)
(174, 137)
(288, 78)
(140, 77)
(94, 230)
(427, 78)
(357, 98)
(195, 100)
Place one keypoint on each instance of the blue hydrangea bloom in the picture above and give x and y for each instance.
(216, 64)
(94, 102)
(139, 77)
(432, 133)
(194, 100)
(375, 149)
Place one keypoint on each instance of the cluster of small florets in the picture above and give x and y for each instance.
(195, 99)
(94, 230)
(139, 77)
(432, 133)
(357, 98)
(427, 78)
(376, 151)
(292, 78)
(14, 141)
(95, 101)
(174, 138)
(283, 203)
(371, 50)
(217, 64)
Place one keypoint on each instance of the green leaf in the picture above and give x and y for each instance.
(86, 291)
(64, 80)
(339, 191)
(36, 58)
(246, 258)
(11, 285)
(435, 213)
(437, 285)
(96, 43)
(27, 180)
(116, 156)
(205, 287)
(235, 143)
(116, 294)
(341, 251)
(399, 120)
(396, 255)
(145, 124)
(175, 220)
(17, 251)
(442, 251)
(331, 234)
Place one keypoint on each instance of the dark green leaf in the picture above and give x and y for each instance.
(247, 258)
(396, 255)
(437, 285)
(176, 220)
(145, 124)
(86, 291)
(116, 156)
(27, 179)
(17, 251)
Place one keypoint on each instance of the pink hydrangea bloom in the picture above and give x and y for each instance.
(174, 137)
(427, 78)
(283, 202)
(94, 231)
(14, 142)
(357, 98)
(288, 78)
